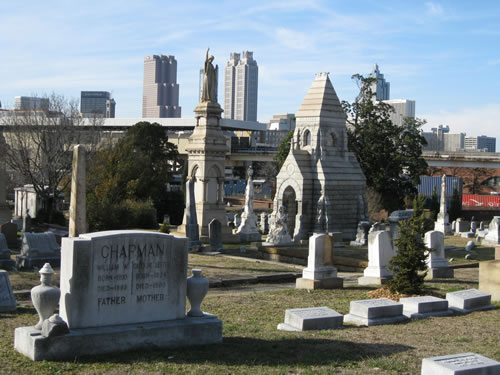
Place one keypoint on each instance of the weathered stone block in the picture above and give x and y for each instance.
(314, 318)
(469, 300)
(460, 364)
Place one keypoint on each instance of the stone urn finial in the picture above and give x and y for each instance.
(45, 297)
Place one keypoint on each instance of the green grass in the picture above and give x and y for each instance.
(253, 345)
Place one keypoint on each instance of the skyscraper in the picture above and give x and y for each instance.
(29, 103)
(97, 103)
(241, 87)
(161, 90)
(381, 87)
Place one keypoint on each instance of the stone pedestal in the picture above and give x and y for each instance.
(207, 150)
(89, 341)
(380, 251)
(320, 273)
(489, 278)
(438, 267)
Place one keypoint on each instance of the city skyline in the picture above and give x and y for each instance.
(440, 54)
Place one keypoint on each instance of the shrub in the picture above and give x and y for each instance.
(410, 259)
(128, 214)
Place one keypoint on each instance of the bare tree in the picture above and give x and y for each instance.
(41, 143)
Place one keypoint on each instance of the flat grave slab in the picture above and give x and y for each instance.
(7, 299)
(313, 318)
(371, 312)
(465, 301)
(463, 364)
(424, 306)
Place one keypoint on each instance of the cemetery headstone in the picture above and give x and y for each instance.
(320, 272)
(375, 312)
(481, 225)
(473, 226)
(313, 318)
(361, 234)
(380, 252)
(463, 364)
(121, 290)
(395, 218)
(9, 230)
(264, 223)
(215, 235)
(424, 306)
(437, 265)
(465, 301)
(7, 299)
(469, 246)
(38, 249)
(462, 226)
(493, 237)
(454, 226)
(5, 261)
(489, 278)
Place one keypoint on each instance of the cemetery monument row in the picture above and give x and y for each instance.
(121, 290)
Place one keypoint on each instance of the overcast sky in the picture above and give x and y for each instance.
(445, 55)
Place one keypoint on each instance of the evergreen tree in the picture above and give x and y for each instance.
(283, 149)
(434, 205)
(455, 206)
(389, 155)
(410, 259)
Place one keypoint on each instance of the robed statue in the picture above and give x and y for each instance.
(209, 93)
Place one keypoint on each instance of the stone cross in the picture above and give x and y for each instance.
(77, 208)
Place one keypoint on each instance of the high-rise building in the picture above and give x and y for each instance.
(481, 143)
(381, 88)
(241, 87)
(97, 103)
(29, 103)
(161, 90)
(403, 108)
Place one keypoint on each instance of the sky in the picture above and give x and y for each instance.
(445, 55)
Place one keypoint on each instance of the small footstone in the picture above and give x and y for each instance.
(425, 306)
(375, 312)
(465, 301)
(314, 318)
(463, 364)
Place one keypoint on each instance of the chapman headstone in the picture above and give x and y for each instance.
(122, 290)
(215, 235)
(375, 312)
(313, 318)
(437, 265)
(7, 299)
(380, 252)
(38, 249)
(5, 260)
(320, 272)
(424, 306)
(460, 364)
(465, 301)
